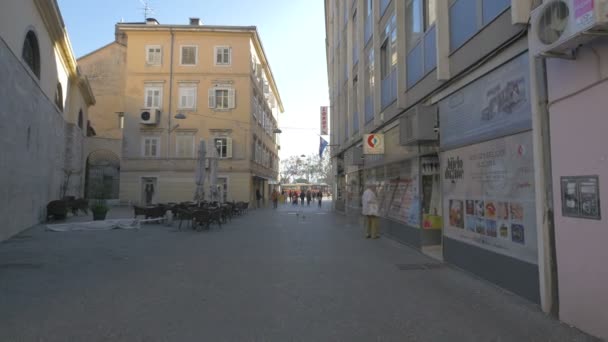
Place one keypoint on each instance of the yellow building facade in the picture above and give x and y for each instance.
(184, 84)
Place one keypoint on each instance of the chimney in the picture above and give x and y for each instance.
(195, 21)
(151, 21)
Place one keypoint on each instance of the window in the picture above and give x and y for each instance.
(223, 147)
(388, 49)
(80, 119)
(189, 55)
(222, 55)
(368, 20)
(221, 98)
(121, 120)
(153, 96)
(369, 86)
(31, 53)
(150, 147)
(355, 40)
(355, 104)
(187, 97)
(467, 17)
(59, 96)
(421, 53)
(153, 55)
(184, 145)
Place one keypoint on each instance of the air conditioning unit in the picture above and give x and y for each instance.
(149, 116)
(560, 26)
(418, 124)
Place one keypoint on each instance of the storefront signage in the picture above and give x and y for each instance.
(581, 197)
(488, 196)
(495, 105)
(324, 125)
(373, 143)
(583, 12)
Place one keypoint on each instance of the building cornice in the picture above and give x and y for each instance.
(51, 17)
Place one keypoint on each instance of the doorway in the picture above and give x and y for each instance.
(149, 189)
(432, 221)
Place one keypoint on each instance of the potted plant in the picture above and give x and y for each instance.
(99, 209)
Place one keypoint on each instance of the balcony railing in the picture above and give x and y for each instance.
(388, 89)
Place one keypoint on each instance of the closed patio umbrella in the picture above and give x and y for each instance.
(199, 175)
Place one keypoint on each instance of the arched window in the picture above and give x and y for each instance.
(80, 119)
(59, 96)
(31, 53)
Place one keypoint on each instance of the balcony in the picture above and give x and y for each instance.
(388, 90)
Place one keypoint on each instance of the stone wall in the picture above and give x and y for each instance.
(32, 141)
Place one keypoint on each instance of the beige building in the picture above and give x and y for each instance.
(44, 100)
(181, 84)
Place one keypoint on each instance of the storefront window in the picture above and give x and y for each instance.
(397, 191)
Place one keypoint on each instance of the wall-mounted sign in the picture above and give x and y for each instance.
(581, 197)
(324, 125)
(495, 105)
(373, 143)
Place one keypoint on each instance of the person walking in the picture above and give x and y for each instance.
(302, 196)
(319, 197)
(370, 212)
(275, 198)
(294, 200)
(258, 197)
(308, 197)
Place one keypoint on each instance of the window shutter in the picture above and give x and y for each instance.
(229, 56)
(218, 57)
(228, 147)
(211, 97)
(231, 99)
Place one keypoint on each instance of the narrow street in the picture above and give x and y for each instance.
(292, 274)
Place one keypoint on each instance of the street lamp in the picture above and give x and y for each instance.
(277, 131)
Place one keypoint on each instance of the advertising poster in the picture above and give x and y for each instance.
(488, 196)
(495, 105)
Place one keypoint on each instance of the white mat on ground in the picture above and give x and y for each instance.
(100, 225)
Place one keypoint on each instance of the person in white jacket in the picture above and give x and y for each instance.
(370, 212)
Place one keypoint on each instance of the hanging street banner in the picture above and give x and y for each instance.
(324, 125)
(373, 143)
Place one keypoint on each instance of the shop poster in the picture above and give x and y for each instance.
(488, 196)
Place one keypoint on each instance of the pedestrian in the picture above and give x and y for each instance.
(294, 197)
(302, 196)
(258, 197)
(320, 198)
(275, 198)
(308, 197)
(370, 212)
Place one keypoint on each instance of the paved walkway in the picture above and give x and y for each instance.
(272, 275)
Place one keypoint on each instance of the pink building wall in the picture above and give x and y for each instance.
(578, 107)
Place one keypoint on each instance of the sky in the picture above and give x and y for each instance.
(292, 32)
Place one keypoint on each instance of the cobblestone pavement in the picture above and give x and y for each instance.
(292, 274)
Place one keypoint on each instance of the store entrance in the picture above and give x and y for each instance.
(432, 221)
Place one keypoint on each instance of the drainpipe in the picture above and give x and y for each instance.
(170, 94)
(547, 263)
